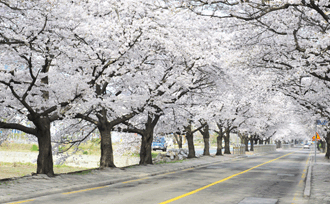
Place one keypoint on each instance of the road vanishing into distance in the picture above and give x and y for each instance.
(279, 175)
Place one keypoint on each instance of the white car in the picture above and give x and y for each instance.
(306, 146)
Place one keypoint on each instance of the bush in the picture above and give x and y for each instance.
(34, 148)
(85, 152)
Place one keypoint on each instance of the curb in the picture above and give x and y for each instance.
(105, 183)
(307, 191)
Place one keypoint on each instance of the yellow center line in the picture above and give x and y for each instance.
(303, 176)
(168, 173)
(24, 201)
(220, 181)
(188, 169)
(136, 180)
(89, 189)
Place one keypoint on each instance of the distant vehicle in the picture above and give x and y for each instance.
(306, 146)
(159, 143)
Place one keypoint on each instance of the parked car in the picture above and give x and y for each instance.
(306, 146)
(159, 143)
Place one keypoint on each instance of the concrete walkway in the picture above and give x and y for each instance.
(320, 179)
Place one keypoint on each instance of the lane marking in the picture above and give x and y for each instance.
(220, 181)
(136, 180)
(167, 173)
(89, 189)
(303, 176)
(23, 201)
(188, 169)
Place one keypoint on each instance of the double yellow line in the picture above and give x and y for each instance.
(220, 181)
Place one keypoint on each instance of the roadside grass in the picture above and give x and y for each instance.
(8, 146)
(89, 148)
(18, 169)
(154, 154)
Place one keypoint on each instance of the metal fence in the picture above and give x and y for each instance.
(239, 149)
(264, 148)
(286, 146)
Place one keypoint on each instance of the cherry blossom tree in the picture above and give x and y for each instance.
(33, 84)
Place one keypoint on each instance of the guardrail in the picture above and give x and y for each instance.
(239, 149)
(264, 148)
(286, 146)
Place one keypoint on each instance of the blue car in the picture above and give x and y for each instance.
(159, 143)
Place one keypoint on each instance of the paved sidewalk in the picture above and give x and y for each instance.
(320, 180)
(27, 187)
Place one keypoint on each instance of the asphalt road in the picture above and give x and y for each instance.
(279, 175)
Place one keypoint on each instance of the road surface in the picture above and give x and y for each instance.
(278, 176)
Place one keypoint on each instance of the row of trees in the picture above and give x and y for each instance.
(289, 39)
(141, 67)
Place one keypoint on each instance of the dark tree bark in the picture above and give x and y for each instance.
(277, 142)
(147, 137)
(106, 159)
(45, 156)
(219, 145)
(323, 146)
(42, 132)
(246, 141)
(190, 140)
(261, 141)
(327, 139)
(251, 143)
(105, 127)
(219, 139)
(178, 139)
(227, 139)
(267, 141)
(256, 141)
(147, 134)
(206, 137)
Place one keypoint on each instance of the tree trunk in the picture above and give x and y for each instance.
(227, 139)
(105, 128)
(145, 151)
(323, 146)
(190, 139)
(106, 145)
(251, 143)
(256, 141)
(206, 138)
(45, 157)
(206, 146)
(178, 139)
(246, 143)
(147, 137)
(267, 141)
(219, 145)
(191, 146)
(219, 140)
(261, 141)
(327, 139)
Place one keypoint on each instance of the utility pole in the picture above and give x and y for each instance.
(315, 139)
